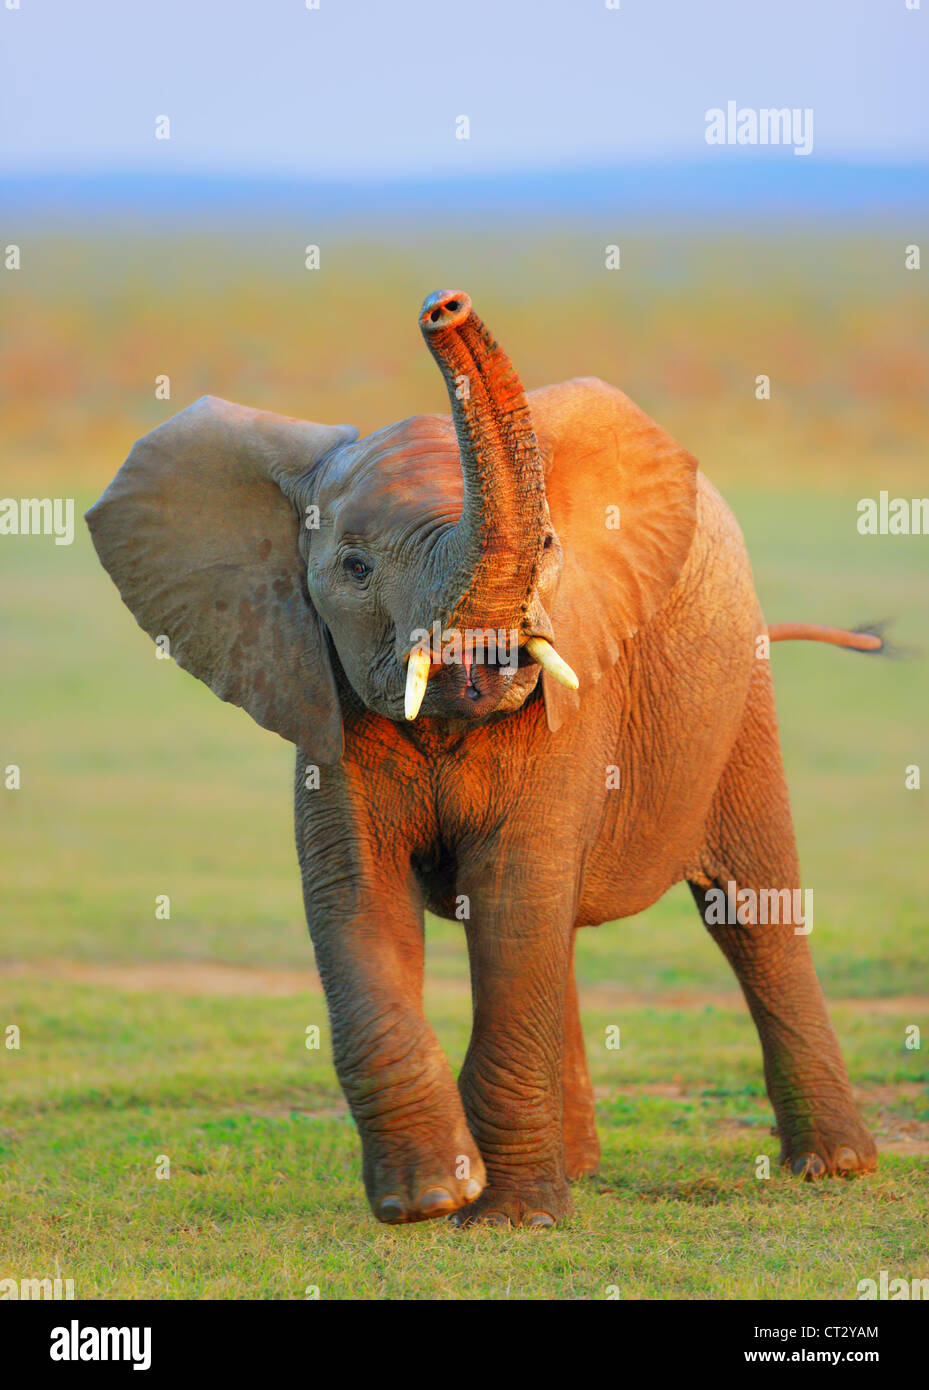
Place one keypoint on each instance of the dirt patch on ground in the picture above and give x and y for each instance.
(192, 977)
(609, 996)
(169, 976)
(907, 1147)
(282, 1111)
(905, 1138)
(895, 1133)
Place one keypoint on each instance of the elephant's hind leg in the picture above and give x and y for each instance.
(581, 1145)
(750, 844)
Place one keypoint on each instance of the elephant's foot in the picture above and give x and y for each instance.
(539, 1207)
(837, 1146)
(408, 1179)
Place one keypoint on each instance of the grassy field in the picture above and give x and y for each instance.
(186, 1038)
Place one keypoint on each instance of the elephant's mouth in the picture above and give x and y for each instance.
(473, 689)
(469, 690)
(478, 684)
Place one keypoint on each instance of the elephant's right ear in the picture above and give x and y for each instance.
(199, 530)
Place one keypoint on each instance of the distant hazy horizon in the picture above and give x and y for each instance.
(359, 88)
(768, 193)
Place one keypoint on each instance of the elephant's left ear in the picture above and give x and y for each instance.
(623, 501)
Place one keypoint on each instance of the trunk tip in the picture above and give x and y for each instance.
(444, 309)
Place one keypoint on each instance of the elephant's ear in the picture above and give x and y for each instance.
(199, 530)
(622, 497)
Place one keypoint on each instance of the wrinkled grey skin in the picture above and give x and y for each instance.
(519, 806)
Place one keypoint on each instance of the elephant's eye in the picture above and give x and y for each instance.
(356, 567)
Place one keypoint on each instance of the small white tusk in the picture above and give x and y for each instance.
(417, 677)
(544, 653)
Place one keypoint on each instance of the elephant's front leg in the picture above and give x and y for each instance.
(419, 1158)
(512, 1077)
(366, 921)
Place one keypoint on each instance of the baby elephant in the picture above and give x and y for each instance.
(410, 610)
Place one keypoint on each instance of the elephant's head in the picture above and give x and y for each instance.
(558, 522)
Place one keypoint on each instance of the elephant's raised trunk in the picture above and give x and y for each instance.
(493, 553)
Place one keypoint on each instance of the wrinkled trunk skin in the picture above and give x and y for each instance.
(493, 554)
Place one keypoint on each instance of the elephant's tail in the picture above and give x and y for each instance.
(863, 639)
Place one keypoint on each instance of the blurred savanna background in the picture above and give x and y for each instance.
(142, 1036)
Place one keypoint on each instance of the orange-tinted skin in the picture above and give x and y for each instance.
(522, 809)
(522, 822)
(836, 636)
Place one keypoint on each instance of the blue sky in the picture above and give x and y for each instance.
(361, 87)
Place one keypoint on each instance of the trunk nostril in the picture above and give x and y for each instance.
(444, 309)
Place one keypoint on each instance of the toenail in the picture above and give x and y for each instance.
(495, 1218)
(540, 1220)
(391, 1209)
(435, 1201)
(846, 1159)
(808, 1166)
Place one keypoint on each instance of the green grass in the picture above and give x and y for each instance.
(142, 1037)
(264, 1198)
